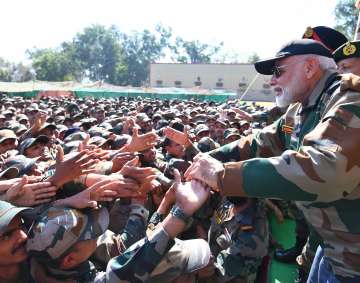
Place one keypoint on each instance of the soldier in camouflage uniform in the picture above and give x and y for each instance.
(238, 239)
(310, 155)
(59, 231)
(63, 239)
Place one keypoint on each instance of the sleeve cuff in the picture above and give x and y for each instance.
(230, 180)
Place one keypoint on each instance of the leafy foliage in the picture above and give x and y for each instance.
(346, 17)
(106, 54)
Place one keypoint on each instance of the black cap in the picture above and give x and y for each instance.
(331, 38)
(295, 47)
(348, 50)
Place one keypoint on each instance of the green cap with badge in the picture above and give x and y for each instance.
(349, 49)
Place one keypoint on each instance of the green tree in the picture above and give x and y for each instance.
(346, 17)
(253, 58)
(5, 70)
(51, 65)
(140, 49)
(10, 72)
(194, 51)
(22, 73)
(98, 52)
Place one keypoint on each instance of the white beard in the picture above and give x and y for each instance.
(285, 98)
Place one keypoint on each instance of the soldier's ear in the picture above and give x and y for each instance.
(68, 261)
(311, 66)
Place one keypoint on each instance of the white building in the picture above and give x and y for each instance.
(235, 77)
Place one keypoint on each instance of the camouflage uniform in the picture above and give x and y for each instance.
(239, 241)
(154, 259)
(59, 228)
(315, 163)
(268, 116)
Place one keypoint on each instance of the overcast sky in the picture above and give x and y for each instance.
(260, 26)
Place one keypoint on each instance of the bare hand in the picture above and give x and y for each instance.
(24, 194)
(141, 142)
(122, 186)
(120, 160)
(243, 114)
(139, 174)
(90, 196)
(205, 169)
(350, 82)
(177, 136)
(72, 166)
(190, 196)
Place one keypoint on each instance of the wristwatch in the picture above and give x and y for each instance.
(178, 213)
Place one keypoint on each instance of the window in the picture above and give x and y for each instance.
(198, 82)
(219, 83)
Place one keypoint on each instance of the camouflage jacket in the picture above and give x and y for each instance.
(137, 264)
(239, 240)
(269, 116)
(110, 244)
(310, 155)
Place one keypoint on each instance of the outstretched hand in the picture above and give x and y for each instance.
(69, 167)
(22, 193)
(141, 142)
(190, 196)
(243, 114)
(182, 138)
(89, 197)
(205, 169)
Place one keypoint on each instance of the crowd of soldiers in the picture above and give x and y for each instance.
(141, 190)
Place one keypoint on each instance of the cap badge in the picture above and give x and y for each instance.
(349, 49)
(309, 32)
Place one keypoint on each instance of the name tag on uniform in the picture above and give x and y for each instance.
(287, 129)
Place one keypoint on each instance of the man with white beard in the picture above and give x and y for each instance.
(310, 155)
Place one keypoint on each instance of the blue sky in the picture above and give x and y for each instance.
(260, 26)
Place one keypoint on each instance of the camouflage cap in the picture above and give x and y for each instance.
(60, 228)
(78, 136)
(27, 143)
(19, 129)
(206, 144)
(231, 132)
(7, 134)
(47, 126)
(8, 213)
(22, 117)
(22, 163)
(201, 128)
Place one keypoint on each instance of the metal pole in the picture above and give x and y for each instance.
(357, 30)
(249, 86)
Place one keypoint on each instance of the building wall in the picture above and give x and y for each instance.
(234, 77)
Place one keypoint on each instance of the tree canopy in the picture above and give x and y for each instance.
(346, 16)
(106, 54)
